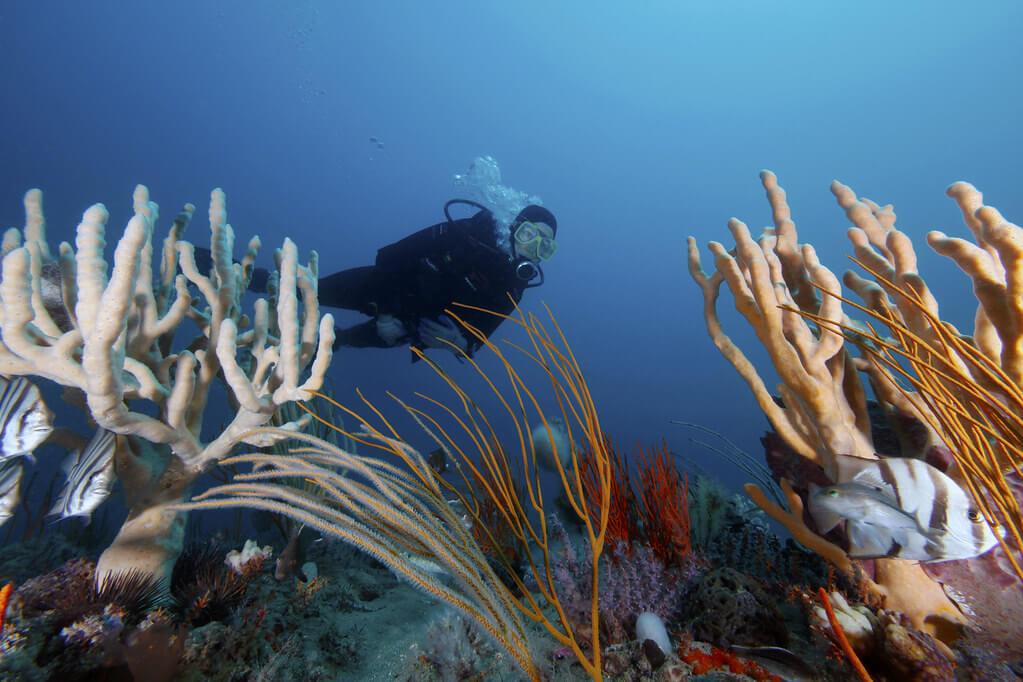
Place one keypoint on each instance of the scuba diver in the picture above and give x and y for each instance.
(469, 260)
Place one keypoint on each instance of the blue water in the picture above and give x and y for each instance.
(636, 123)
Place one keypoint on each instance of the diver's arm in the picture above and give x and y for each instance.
(360, 288)
(360, 336)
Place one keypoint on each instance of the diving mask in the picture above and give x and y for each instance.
(535, 241)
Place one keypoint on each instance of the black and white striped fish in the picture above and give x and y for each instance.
(90, 477)
(10, 487)
(53, 296)
(900, 507)
(25, 421)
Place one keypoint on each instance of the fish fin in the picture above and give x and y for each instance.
(936, 552)
(866, 472)
(59, 507)
(57, 510)
(68, 463)
(872, 479)
(866, 541)
(849, 467)
(66, 515)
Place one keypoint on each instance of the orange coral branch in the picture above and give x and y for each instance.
(620, 522)
(5, 598)
(793, 522)
(854, 660)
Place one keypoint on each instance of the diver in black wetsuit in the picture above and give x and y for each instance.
(456, 261)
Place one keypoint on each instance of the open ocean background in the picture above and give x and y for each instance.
(636, 123)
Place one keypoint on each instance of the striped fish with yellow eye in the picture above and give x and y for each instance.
(901, 508)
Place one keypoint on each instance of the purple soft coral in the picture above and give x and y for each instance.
(638, 581)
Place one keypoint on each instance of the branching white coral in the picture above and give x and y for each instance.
(110, 333)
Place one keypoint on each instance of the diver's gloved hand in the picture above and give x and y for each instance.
(390, 329)
(434, 334)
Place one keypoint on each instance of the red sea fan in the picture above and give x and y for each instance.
(664, 504)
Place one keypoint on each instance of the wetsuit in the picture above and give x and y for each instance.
(421, 275)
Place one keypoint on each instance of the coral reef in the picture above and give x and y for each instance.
(731, 608)
(795, 305)
(456, 650)
(703, 659)
(110, 337)
(885, 641)
(68, 625)
(205, 587)
(264, 625)
(639, 581)
(704, 562)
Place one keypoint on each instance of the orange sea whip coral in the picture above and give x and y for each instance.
(400, 513)
(552, 353)
(847, 649)
(966, 387)
(973, 405)
(5, 598)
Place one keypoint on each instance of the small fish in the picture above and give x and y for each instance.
(438, 461)
(425, 564)
(10, 487)
(292, 554)
(52, 290)
(900, 507)
(464, 517)
(876, 525)
(90, 477)
(25, 421)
